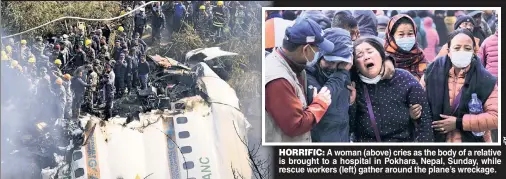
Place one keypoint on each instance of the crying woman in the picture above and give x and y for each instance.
(381, 112)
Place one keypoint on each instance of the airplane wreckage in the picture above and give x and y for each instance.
(186, 125)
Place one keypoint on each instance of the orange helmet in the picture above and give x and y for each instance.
(59, 81)
(67, 77)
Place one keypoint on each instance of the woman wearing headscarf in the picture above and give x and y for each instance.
(463, 22)
(432, 40)
(462, 94)
(401, 45)
(377, 115)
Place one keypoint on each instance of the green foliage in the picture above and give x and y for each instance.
(18, 16)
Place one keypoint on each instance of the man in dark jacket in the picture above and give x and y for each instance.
(143, 72)
(109, 91)
(332, 70)
(140, 21)
(119, 71)
(129, 58)
(79, 87)
(117, 50)
(158, 23)
(134, 56)
(79, 58)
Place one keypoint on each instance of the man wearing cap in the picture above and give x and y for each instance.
(289, 118)
(331, 69)
(463, 22)
(481, 29)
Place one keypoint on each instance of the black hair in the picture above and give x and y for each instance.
(344, 21)
(290, 46)
(371, 41)
(393, 13)
(412, 14)
(461, 31)
(375, 44)
(402, 20)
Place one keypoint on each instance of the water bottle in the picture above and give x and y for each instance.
(476, 107)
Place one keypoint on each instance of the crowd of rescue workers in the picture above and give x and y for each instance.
(58, 76)
(381, 76)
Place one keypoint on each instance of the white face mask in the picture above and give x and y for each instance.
(461, 59)
(307, 59)
(370, 80)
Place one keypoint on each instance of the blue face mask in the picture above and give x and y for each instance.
(315, 59)
(406, 43)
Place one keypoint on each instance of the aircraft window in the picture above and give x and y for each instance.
(77, 155)
(182, 120)
(79, 173)
(188, 165)
(184, 134)
(186, 149)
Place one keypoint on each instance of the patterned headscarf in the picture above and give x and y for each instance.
(414, 60)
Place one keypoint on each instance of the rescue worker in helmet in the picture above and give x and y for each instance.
(55, 70)
(61, 99)
(202, 19)
(69, 96)
(90, 52)
(25, 52)
(9, 51)
(32, 67)
(121, 33)
(219, 19)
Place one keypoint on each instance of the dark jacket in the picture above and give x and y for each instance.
(120, 69)
(79, 59)
(367, 22)
(391, 111)
(140, 20)
(158, 21)
(334, 126)
(117, 52)
(78, 86)
(143, 68)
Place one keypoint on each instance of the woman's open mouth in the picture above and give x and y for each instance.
(369, 65)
